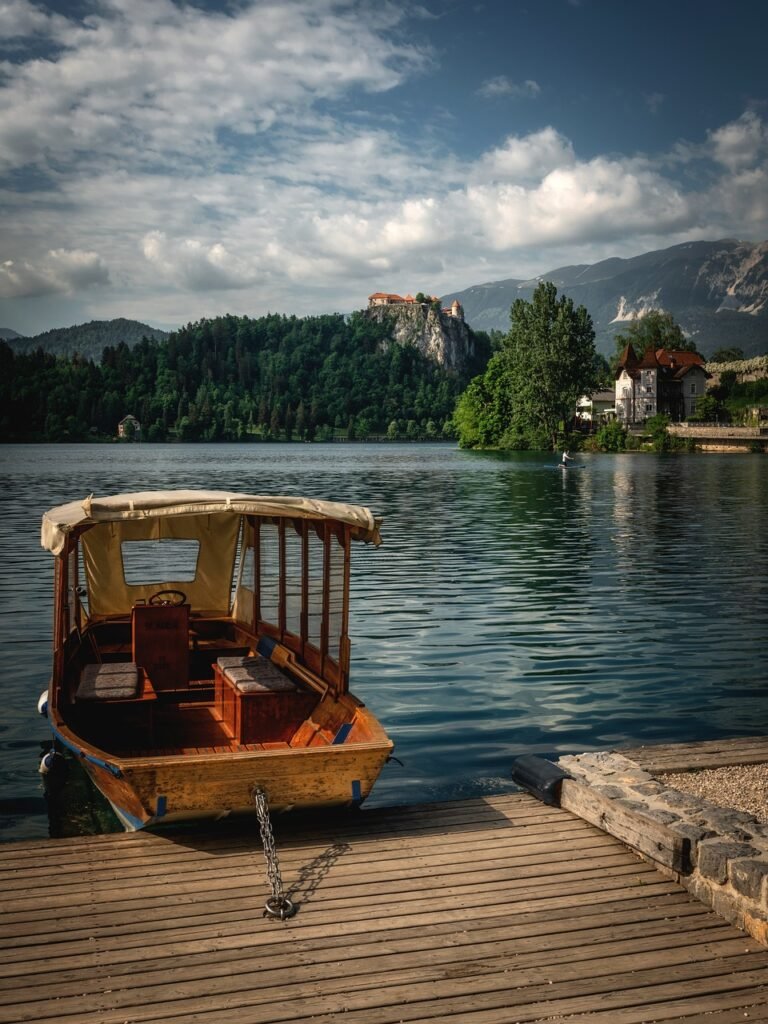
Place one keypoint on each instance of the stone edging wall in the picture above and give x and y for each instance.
(719, 855)
(699, 430)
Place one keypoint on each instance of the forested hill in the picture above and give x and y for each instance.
(235, 378)
(89, 340)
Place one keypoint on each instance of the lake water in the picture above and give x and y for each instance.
(513, 608)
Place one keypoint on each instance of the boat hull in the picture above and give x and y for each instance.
(150, 791)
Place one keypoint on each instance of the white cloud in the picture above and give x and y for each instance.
(522, 159)
(141, 80)
(493, 88)
(194, 265)
(740, 144)
(59, 271)
(593, 201)
(20, 19)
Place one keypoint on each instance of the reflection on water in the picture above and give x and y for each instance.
(514, 608)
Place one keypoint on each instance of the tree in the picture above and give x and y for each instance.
(550, 357)
(656, 329)
(707, 410)
(656, 426)
(484, 411)
(611, 437)
(528, 392)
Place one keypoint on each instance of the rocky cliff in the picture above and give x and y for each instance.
(445, 339)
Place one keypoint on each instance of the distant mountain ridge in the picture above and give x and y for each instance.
(89, 340)
(716, 291)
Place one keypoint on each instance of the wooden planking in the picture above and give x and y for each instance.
(434, 944)
(477, 911)
(690, 757)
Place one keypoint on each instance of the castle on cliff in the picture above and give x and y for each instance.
(390, 299)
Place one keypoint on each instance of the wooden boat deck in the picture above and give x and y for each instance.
(185, 727)
(705, 754)
(484, 911)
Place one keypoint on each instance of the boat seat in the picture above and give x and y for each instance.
(109, 681)
(252, 675)
(259, 703)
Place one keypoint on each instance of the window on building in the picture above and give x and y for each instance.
(693, 388)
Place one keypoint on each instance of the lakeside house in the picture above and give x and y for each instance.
(667, 382)
(596, 408)
(129, 428)
(391, 299)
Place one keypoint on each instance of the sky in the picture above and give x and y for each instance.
(166, 161)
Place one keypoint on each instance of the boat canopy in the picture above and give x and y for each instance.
(59, 522)
(210, 546)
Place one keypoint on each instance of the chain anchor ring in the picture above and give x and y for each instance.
(278, 906)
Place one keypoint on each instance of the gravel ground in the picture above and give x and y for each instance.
(744, 787)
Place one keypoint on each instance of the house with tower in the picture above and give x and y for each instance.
(662, 381)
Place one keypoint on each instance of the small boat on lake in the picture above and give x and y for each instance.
(201, 652)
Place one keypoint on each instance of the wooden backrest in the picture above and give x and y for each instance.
(160, 644)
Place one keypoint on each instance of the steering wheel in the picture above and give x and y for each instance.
(168, 597)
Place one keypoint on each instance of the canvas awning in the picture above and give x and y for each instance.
(207, 523)
(143, 505)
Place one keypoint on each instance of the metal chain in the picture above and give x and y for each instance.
(278, 904)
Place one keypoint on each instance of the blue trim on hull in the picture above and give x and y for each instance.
(131, 823)
(111, 768)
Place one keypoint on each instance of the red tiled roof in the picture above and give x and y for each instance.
(675, 363)
(649, 360)
(627, 361)
(679, 358)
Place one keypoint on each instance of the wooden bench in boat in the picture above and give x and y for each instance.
(116, 690)
(257, 702)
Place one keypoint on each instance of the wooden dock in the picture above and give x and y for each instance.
(657, 758)
(485, 911)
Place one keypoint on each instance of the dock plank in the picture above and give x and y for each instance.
(473, 912)
(704, 754)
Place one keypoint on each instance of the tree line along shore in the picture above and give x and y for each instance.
(331, 377)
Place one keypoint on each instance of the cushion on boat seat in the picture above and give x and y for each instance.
(256, 675)
(110, 681)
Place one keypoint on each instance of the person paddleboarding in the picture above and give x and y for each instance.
(565, 460)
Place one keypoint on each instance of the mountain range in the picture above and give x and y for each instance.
(716, 291)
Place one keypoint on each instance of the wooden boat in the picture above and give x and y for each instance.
(201, 650)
